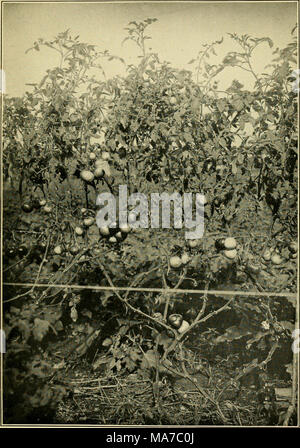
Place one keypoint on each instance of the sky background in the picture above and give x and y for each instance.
(178, 35)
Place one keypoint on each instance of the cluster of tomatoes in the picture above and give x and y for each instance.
(17, 252)
(114, 233)
(98, 167)
(176, 321)
(275, 256)
(177, 262)
(36, 204)
(227, 246)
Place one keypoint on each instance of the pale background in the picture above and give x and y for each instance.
(181, 29)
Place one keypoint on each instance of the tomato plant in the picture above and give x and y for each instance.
(156, 129)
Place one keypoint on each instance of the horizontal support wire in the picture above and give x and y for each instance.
(161, 290)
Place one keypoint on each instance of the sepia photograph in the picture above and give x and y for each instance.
(149, 215)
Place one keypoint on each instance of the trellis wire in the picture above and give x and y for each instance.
(160, 290)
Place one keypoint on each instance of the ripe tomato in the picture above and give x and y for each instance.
(193, 243)
(185, 258)
(230, 243)
(276, 259)
(119, 236)
(125, 228)
(230, 254)
(88, 222)
(99, 173)
(104, 231)
(87, 176)
(175, 262)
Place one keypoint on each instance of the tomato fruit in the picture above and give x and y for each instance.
(276, 259)
(11, 253)
(230, 254)
(88, 222)
(104, 231)
(193, 243)
(107, 342)
(230, 243)
(175, 320)
(27, 207)
(185, 258)
(47, 209)
(175, 262)
(125, 228)
(78, 231)
(57, 250)
(184, 326)
(87, 176)
(120, 236)
(23, 250)
(99, 173)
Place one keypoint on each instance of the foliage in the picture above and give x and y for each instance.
(165, 130)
